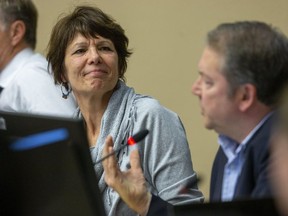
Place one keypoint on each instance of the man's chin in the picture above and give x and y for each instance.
(208, 125)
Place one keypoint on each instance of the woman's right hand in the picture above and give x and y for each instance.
(130, 184)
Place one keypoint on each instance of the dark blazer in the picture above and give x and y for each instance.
(253, 181)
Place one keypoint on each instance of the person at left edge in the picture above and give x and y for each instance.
(27, 85)
(89, 50)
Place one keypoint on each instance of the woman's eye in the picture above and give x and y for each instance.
(79, 51)
(105, 48)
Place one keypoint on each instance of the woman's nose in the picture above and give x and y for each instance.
(94, 56)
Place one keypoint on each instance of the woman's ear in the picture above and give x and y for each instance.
(246, 96)
(17, 32)
(63, 78)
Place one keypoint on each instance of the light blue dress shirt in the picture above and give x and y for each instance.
(235, 160)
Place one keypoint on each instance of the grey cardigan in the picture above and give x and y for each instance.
(165, 155)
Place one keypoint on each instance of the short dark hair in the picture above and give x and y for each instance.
(24, 10)
(254, 52)
(90, 22)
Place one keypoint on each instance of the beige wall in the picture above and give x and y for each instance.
(167, 37)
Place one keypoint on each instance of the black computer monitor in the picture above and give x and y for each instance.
(46, 167)
(244, 207)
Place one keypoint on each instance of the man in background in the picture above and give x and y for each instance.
(25, 83)
(242, 72)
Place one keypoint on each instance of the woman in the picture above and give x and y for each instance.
(88, 54)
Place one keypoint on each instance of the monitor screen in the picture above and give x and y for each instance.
(245, 207)
(46, 167)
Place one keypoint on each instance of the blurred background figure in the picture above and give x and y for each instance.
(242, 73)
(279, 158)
(25, 84)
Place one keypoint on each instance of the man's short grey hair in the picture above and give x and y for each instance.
(24, 10)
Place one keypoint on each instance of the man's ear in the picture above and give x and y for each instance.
(17, 32)
(247, 95)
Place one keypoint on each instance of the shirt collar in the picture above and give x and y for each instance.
(231, 147)
(12, 68)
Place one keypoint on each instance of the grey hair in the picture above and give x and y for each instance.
(254, 52)
(24, 10)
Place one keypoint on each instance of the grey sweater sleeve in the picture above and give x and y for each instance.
(165, 153)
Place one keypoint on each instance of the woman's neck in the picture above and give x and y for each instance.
(92, 111)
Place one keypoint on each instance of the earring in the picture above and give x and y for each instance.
(65, 89)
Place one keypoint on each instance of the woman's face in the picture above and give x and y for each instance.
(91, 66)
